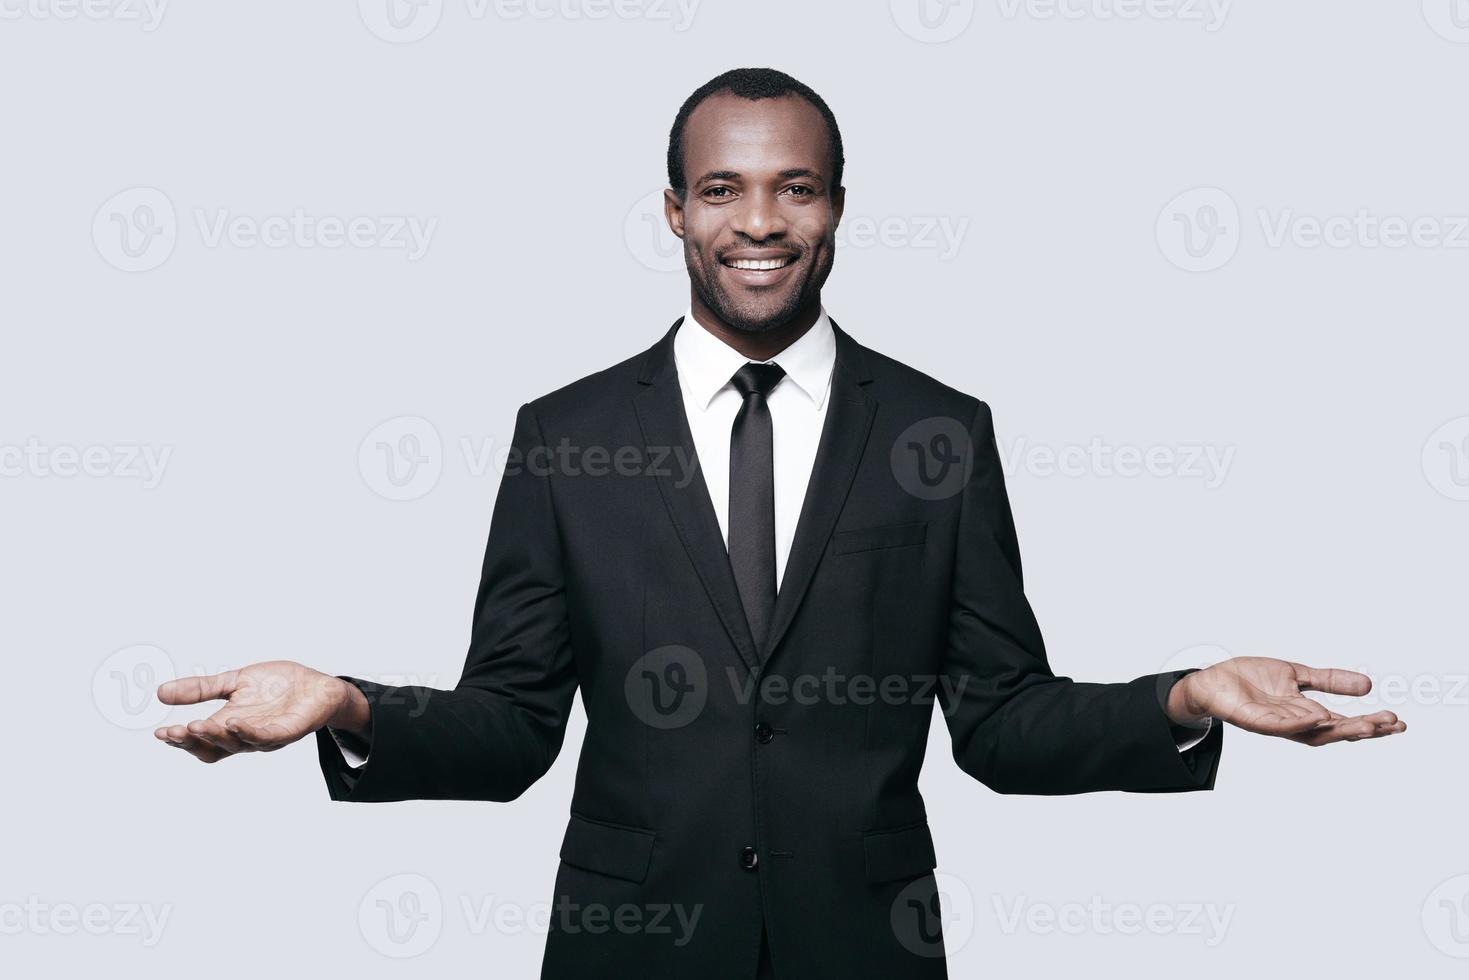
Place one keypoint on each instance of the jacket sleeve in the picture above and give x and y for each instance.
(501, 727)
(1015, 725)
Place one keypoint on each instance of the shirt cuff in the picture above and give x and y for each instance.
(354, 758)
(1183, 741)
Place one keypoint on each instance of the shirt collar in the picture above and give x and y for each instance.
(705, 363)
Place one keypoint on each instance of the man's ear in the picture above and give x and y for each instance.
(673, 210)
(838, 203)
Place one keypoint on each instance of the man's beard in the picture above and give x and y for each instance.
(716, 298)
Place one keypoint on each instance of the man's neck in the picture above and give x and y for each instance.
(758, 346)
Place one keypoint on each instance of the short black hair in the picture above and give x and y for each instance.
(751, 83)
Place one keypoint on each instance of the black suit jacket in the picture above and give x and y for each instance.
(795, 806)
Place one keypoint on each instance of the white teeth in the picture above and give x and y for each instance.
(758, 265)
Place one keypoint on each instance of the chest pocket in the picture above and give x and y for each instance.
(875, 538)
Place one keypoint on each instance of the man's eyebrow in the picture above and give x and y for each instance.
(789, 173)
(718, 175)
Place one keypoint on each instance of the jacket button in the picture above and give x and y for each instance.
(749, 859)
(764, 733)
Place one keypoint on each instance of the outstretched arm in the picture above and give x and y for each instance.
(1019, 728)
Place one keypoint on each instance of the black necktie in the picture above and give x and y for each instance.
(752, 496)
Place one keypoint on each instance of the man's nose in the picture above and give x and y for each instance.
(758, 216)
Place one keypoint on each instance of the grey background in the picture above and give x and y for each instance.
(1058, 138)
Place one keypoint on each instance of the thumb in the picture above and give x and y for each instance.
(193, 690)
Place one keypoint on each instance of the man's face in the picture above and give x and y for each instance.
(759, 219)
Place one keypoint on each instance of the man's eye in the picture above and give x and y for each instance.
(719, 192)
(801, 190)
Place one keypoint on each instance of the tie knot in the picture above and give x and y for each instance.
(757, 379)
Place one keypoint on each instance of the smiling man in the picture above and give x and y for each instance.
(760, 647)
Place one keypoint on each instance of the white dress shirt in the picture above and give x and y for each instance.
(797, 411)
(705, 365)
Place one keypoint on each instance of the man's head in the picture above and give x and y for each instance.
(755, 170)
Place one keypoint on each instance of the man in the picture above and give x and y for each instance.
(759, 640)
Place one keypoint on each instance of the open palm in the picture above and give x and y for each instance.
(1266, 696)
(269, 705)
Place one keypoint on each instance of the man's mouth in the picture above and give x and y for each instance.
(760, 265)
(755, 269)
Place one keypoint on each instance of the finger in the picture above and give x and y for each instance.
(197, 747)
(1341, 729)
(1383, 717)
(1286, 717)
(262, 736)
(1382, 722)
(193, 690)
(211, 731)
(1332, 680)
(1307, 711)
(1387, 723)
(207, 754)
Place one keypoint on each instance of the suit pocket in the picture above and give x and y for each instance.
(609, 849)
(905, 852)
(884, 536)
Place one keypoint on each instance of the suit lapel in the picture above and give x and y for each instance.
(660, 410)
(843, 439)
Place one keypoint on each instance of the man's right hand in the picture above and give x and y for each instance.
(269, 705)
